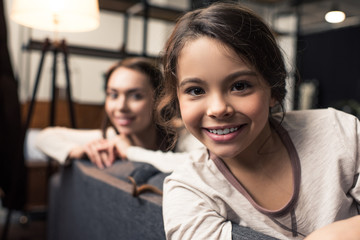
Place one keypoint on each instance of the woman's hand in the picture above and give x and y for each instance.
(348, 229)
(100, 152)
(122, 143)
(77, 152)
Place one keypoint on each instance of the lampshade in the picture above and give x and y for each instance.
(57, 15)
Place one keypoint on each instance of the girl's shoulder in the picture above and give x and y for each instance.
(324, 117)
(312, 113)
(321, 127)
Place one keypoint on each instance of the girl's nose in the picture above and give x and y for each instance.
(219, 107)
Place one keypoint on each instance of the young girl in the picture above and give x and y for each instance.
(132, 87)
(285, 175)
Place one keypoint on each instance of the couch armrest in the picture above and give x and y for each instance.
(245, 233)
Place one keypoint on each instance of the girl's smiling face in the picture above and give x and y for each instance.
(224, 102)
(129, 101)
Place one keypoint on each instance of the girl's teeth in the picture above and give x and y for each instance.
(223, 131)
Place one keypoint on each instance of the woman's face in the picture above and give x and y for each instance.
(224, 102)
(129, 101)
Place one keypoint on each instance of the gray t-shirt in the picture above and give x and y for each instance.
(202, 198)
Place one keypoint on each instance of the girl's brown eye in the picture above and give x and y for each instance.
(240, 86)
(195, 91)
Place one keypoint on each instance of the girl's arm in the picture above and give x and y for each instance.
(164, 161)
(58, 142)
(187, 147)
(348, 229)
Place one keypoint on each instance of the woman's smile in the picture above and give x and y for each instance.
(124, 120)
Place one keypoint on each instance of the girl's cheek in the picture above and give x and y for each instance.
(189, 113)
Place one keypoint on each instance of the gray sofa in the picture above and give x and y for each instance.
(88, 203)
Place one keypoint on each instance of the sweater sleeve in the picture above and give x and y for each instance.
(164, 161)
(57, 142)
(186, 147)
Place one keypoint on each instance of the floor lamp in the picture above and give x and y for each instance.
(55, 16)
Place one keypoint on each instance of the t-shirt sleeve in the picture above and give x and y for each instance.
(355, 191)
(187, 214)
(349, 128)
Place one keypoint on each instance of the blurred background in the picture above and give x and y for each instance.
(322, 58)
(316, 51)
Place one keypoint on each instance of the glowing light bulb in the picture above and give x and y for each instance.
(56, 5)
(335, 16)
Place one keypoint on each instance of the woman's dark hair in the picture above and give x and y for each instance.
(142, 65)
(237, 28)
(149, 68)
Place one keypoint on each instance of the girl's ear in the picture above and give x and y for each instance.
(273, 102)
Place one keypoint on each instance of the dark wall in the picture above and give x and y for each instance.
(333, 59)
(195, 4)
(12, 163)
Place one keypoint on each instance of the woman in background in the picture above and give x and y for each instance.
(132, 88)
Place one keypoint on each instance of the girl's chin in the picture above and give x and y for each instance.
(225, 153)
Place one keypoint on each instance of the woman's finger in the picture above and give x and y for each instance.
(94, 156)
(111, 154)
(104, 157)
(122, 143)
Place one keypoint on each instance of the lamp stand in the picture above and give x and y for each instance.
(55, 47)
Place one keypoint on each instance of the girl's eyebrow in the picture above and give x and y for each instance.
(190, 80)
(240, 74)
(227, 78)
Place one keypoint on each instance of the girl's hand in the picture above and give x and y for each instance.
(100, 152)
(348, 229)
(122, 143)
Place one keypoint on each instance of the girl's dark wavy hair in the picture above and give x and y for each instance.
(237, 28)
(151, 69)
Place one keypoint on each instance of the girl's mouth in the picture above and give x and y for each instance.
(223, 131)
(224, 134)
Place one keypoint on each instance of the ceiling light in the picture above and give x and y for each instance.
(335, 15)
